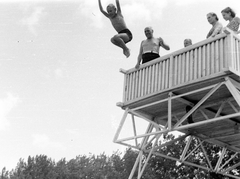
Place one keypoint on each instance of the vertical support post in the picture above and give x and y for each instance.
(170, 111)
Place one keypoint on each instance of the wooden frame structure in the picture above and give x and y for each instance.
(204, 76)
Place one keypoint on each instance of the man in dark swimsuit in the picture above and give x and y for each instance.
(149, 48)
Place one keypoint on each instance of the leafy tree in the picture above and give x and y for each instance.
(4, 173)
(118, 165)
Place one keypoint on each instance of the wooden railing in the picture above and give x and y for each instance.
(201, 60)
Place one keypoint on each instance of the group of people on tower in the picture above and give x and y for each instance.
(149, 48)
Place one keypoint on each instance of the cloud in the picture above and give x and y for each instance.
(59, 73)
(233, 3)
(33, 19)
(42, 141)
(143, 10)
(6, 105)
(134, 11)
(75, 132)
(90, 10)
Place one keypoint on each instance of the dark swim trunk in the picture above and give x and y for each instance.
(128, 32)
(146, 57)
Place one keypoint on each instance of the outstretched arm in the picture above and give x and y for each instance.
(139, 59)
(163, 44)
(118, 6)
(101, 8)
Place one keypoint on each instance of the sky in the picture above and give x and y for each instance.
(59, 72)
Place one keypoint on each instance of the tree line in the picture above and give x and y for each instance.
(117, 166)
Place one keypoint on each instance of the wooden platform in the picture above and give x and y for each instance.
(147, 90)
(205, 77)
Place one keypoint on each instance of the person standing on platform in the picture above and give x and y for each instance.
(216, 26)
(187, 42)
(149, 48)
(229, 15)
(124, 34)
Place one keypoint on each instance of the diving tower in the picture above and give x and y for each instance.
(204, 76)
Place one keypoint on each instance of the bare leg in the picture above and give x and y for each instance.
(118, 40)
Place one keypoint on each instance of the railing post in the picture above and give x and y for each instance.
(170, 111)
(170, 72)
(124, 84)
(229, 48)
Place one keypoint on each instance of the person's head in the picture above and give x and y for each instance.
(212, 18)
(148, 32)
(228, 13)
(111, 9)
(187, 42)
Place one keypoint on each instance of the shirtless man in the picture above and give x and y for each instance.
(124, 34)
(149, 48)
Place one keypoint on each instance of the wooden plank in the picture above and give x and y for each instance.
(187, 67)
(149, 79)
(171, 72)
(212, 59)
(163, 74)
(191, 61)
(130, 86)
(229, 43)
(204, 71)
(227, 62)
(175, 67)
(179, 69)
(195, 62)
(160, 76)
(139, 84)
(208, 60)
(153, 78)
(150, 69)
(183, 69)
(237, 55)
(143, 82)
(217, 57)
(200, 62)
(221, 63)
(233, 54)
(156, 77)
(133, 85)
(146, 81)
(167, 74)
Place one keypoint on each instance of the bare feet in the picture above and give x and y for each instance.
(126, 52)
